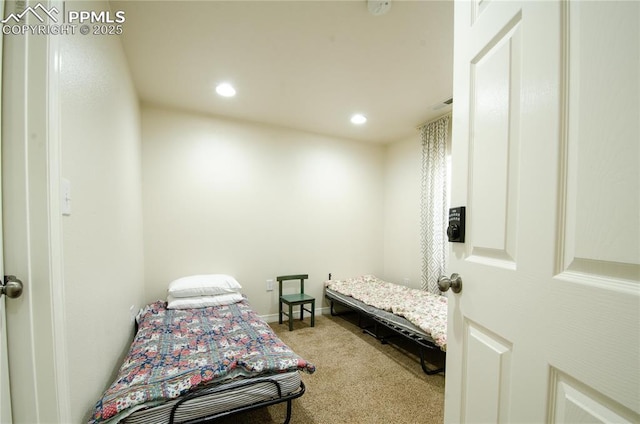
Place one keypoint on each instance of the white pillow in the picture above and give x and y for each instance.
(203, 285)
(202, 301)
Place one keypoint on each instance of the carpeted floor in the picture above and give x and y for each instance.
(357, 379)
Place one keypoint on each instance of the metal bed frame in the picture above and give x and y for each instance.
(185, 400)
(398, 325)
(178, 410)
(286, 398)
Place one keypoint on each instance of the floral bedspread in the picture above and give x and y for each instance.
(176, 351)
(425, 310)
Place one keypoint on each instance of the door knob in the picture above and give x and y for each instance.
(455, 282)
(12, 287)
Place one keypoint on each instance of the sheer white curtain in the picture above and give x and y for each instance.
(433, 204)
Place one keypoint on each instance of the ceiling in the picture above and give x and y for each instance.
(307, 65)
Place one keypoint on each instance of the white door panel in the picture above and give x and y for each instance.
(602, 177)
(546, 158)
(493, 149)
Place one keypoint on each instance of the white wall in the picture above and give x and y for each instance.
(402, 191)
(256, 201)
(402, 257)
(103, 251)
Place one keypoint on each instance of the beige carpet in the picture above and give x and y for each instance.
(357, 379)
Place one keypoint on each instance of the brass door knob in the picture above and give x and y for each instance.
(455, 283)
(11, 287)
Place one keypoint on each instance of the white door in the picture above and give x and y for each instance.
(31, 227)
(5, 394)
(545, 158)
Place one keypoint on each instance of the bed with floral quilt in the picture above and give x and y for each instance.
(415, 314)
(193, 365)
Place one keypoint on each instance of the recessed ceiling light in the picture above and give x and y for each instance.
(226, 90)
(358, 119)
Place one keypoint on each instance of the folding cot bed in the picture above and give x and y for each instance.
(414, 314)
(199, 364)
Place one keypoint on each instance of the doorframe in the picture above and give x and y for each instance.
(54, 162)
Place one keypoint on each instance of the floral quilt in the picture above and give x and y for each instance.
(178, 350)
(425, 310)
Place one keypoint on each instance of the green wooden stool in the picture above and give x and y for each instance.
(296, 299)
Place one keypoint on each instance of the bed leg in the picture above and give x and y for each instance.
(377, 333)
(334, 313)
(424, 365)
(288, 417)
